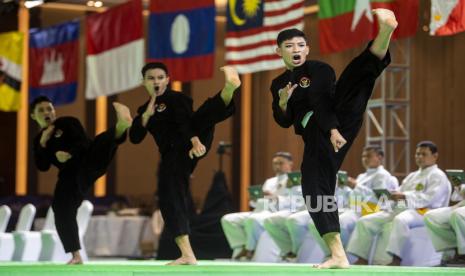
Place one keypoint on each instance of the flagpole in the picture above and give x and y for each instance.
(22, 114)
(101, 122)
(246, 140)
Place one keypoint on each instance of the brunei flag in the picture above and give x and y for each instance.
(11, 52)
(350, 23)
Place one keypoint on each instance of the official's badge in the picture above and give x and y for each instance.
(58, 133)
(419, 187)
(304, 82)
(161, 107)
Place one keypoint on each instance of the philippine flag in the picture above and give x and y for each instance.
(53, 61)
(182, 35)
(115, 48)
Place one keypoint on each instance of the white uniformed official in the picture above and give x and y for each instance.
(361, 191)
(446, 226)
(288, 229)
(242, 229)
(426, 188)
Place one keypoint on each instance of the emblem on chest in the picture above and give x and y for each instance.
(161, 107)
(419, 187)
(58, 133)
(304, 82)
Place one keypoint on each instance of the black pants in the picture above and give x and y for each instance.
(75, 181)
(320, 163)
(176, 166)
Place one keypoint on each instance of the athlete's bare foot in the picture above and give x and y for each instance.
(338, 257)
(184, 260)
(334, 262)
(231, 83)
(387, 23)
(231, 76)
(124, 119)
(386, 19)
(76, 259)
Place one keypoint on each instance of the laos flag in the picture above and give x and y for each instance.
(53, 62)
(182, 35)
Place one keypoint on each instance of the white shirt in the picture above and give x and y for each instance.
(426, 188)
(276, 185)
(457, 195)
(373, 178)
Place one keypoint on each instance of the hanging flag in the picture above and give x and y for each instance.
(350, 23)
(252, 28)
(115, 50)
(11, 53)
(182, 36)
(53, 62)
(447, 17)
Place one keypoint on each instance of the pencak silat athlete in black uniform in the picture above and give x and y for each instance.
(62, 142)
(328, 115)
(182, 136)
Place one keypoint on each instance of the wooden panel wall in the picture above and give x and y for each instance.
(438, 98)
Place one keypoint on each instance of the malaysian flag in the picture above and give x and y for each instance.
(252, 28)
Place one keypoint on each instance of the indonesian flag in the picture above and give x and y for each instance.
(447, 17)
(115, 48)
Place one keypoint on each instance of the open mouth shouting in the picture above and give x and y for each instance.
(296, 59)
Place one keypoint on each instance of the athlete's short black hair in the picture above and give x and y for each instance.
(38, 100)
(289, 34)
(154, 65)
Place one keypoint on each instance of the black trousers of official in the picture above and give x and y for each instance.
(320, 162)
(75, 182)
(176, 166)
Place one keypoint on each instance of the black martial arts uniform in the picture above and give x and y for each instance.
(172, 125)
(89, 161)
(338, 105)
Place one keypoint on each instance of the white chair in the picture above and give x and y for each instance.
(27, 243)
(266, 251)
(7, 244)
(417, 251)
(52, 249)
(310, 251)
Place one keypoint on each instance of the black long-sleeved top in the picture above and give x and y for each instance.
(68, 135)
(170, 125)
(312, 95)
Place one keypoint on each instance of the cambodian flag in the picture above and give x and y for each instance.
(53, 62)
(182, 35)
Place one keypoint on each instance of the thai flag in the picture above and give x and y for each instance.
(53, 62)
(115, 48)
(182, 35)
